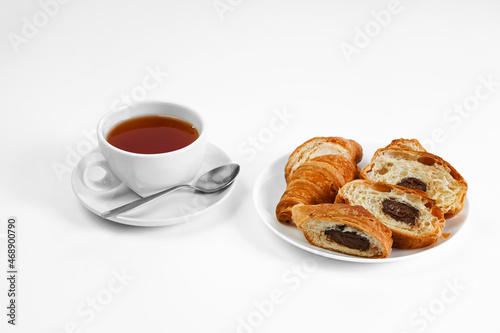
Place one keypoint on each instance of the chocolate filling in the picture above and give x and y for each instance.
(413, 183)
(349, 239)
(400, 211)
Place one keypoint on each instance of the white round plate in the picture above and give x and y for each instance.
(173, 208)
(267, 192)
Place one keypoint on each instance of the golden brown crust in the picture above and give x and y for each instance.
(403, 239)
(319, 146)
(425, 159)
(354, 216)
(315, 181)
(412, 144)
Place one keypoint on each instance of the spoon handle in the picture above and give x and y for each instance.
(140, 202)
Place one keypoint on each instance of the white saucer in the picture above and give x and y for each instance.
(173, 208)
(267, 192)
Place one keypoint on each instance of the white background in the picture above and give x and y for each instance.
(237, 67)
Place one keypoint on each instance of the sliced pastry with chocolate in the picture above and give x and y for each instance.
(315, 181)
(321, 146)
(414, 219)
(422, 171)
(342, 228)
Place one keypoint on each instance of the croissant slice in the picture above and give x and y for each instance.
(414, 218)
(322, 146)
(316, 181)
(421, 171)
(343, 228)
(411, 144)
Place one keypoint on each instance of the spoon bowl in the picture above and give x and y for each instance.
(217, 179)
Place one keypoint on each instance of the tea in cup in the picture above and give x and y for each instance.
(148, 146)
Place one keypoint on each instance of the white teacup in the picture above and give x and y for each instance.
(145, 174)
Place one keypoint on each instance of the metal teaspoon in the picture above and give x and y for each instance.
(210, 182)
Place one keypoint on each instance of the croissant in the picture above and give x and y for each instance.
(411, 144)
(315, 181)
(413, 217)
(342, 228)
(420, 171)
(320, 146)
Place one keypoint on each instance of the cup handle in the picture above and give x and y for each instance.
(91, 163)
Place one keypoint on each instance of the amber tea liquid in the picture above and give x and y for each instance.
(152, 134)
